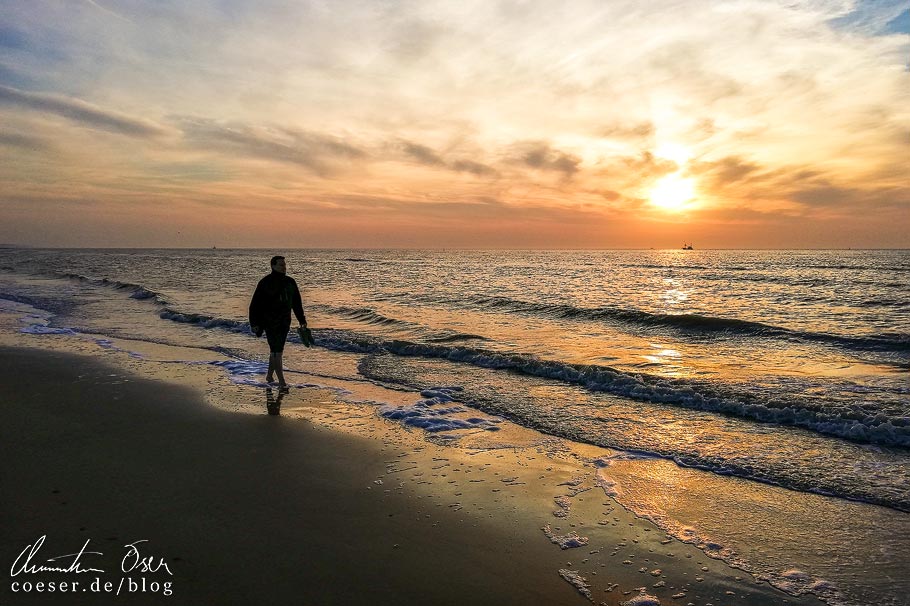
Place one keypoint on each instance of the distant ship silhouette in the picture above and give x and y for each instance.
(688, 247)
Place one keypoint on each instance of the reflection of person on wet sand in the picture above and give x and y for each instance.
(273, 402)
(270, 311)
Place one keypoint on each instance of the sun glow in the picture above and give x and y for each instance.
(672, 192)
(673, 151)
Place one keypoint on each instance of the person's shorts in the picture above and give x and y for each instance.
(276, 336)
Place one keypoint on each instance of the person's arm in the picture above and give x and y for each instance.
(256, 310)
(297, 304)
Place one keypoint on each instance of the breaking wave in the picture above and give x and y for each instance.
(701, 325)
(137, 291)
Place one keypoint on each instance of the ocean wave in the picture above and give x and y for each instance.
(371, 316)
(858, 268)
(692, 323)
(756, 274)
(458, 337)
(204, 321)
(364, 314)
(674, 267)
(884, 302)
(239, 326)
(138, 291)
(852, 423)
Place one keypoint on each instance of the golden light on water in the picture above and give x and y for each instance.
(673, 192)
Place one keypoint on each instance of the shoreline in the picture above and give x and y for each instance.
(339, 519)
(244, 510)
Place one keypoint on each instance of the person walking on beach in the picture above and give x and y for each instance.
(270, 311)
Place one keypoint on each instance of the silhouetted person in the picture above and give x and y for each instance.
(270, 311)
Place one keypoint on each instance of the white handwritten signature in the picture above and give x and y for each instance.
(133, 560)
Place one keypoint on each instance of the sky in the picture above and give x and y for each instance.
(444, 124)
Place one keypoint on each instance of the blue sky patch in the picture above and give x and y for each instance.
(900, 24)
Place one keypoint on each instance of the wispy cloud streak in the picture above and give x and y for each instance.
(81, 112)
(314, 151)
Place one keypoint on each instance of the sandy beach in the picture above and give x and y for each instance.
(243, 507)
(242, 510)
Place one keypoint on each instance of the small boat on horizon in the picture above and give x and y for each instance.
(688, 247)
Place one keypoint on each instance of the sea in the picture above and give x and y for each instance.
(766, 370)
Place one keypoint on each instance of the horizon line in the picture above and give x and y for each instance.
(443, 248)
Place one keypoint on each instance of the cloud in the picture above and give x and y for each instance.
(804, 188)
(81, 112)
(475, 168)
(640, 130)
(462, 212)
(483, 204)
(422, 154)
(609, 194)
(826, 195)
(317, 152)
(726, 171)
(430, 157)
(26, 142)
(734, 173)
(106, 10)
(647, 165)
(541, 156)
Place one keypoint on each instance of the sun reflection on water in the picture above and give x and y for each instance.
(668, 360)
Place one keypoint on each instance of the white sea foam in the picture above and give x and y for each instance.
(36, 320)
(37, 329)
(38, 323)
(577, 581)
(429, 415)
(239, 368)
(241, 371)
(799, 582)
(108, 344)
(607, 485)
(642, 599)
(568, 541)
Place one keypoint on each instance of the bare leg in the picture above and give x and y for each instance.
(275, 361)
(269, 377)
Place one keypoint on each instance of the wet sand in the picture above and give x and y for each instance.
(260, 509)
(244, 510)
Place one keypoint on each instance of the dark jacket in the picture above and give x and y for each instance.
(276, 295)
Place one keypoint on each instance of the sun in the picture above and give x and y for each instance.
(673, 192)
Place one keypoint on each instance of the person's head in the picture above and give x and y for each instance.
(278, 264)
